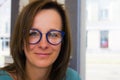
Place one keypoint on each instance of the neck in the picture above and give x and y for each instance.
(35, 73)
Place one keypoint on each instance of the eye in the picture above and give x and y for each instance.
(54, 34)
(33, 33)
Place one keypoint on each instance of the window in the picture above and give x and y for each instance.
(104, 39)
(5, 17)
(103, 14)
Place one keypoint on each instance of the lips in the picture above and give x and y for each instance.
(43, 54)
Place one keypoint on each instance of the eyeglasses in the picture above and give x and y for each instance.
(53, 37)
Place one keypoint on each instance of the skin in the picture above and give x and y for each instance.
(41, 56)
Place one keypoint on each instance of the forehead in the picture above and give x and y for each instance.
(47, 18)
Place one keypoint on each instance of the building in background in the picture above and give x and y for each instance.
(103, 25)
(5, 22)
(102, 34)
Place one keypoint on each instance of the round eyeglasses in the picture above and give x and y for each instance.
(53, 37)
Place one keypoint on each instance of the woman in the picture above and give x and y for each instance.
(40, 44)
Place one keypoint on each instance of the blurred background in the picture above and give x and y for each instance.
(103, 41)
(98, 25)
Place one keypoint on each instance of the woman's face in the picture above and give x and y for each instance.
(43, 54)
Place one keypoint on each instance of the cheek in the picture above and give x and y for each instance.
(55, 52)
(31, 47)
(57, 48)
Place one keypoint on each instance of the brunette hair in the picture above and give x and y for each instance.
(20, 34)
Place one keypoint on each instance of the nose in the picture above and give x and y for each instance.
(43, 44)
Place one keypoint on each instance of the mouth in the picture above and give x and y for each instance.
(43, 55)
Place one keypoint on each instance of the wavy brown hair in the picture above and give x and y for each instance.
(20, 34)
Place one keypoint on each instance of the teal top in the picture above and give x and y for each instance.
(4, 75)
(70, 75)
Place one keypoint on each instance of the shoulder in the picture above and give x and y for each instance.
(4, 75)
(72, 74)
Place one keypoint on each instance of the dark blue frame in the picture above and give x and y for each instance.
(62, 33)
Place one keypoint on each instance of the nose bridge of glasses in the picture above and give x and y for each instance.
(43, 37)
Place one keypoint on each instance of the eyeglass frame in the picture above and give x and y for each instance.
(62, 35)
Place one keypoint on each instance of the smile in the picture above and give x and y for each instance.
(43, 55)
